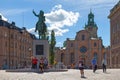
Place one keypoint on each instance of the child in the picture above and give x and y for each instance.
(81, 67)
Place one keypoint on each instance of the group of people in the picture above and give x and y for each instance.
(43, 63)
(94, 66)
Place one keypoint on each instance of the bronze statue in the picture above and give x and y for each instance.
(40, 25)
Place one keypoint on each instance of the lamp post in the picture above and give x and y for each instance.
(30, 55)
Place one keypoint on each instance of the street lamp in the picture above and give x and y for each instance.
(30, 56)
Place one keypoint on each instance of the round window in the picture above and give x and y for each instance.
(83, 49)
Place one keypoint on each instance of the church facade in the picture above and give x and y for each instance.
(86, 46)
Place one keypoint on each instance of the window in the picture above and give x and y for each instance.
(95, 44)
(39, 49)
(91, 20)
(71, 44)
(5, 44)
(62, 57)
(117, 27)
(72, 57)
(83, 37)
(83, 49)
(11, 36)
(117, 62)
(104, 56)
(95, 55)
(113, 60)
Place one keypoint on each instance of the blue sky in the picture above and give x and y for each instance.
(66, 17)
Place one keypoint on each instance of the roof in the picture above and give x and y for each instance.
(13, 26)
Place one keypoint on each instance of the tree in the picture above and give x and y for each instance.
(64, 44)
(52, 47)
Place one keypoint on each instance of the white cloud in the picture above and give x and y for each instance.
(59, 44)
(3, 18)
(59, 20)
(56, 7)
(32, 30)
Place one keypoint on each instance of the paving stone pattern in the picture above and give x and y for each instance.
(71, 74)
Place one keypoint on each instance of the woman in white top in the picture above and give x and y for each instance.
(104, 64)
(81, 67)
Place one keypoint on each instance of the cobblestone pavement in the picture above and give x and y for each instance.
(71, 74)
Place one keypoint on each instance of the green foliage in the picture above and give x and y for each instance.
(52, 47)
(64, 44)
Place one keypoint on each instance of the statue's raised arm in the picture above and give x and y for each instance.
(35, 13)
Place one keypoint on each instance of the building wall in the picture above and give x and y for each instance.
(115, 35)
(15, 46)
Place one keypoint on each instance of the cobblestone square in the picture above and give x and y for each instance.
(71, 74)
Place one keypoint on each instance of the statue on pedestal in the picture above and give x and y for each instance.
(41, 26)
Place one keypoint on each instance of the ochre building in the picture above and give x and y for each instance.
(86, 46)
(15, 46)
(115, 36)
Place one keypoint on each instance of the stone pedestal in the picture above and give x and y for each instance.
(41, 49)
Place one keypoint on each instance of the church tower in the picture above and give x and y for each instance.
(91, 26)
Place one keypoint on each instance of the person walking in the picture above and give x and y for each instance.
(81, 67)
(104, 63)
(45, 63)
(94, 64)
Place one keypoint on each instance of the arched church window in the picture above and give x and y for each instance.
(95, 56)
(11, 36)
(104, 55)
(62, 57)
(117, 62)
(90, 20)
(95, 44)
(71, 45)
(83, 37)
(72, 57)
(118, 59)
(113, 60)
